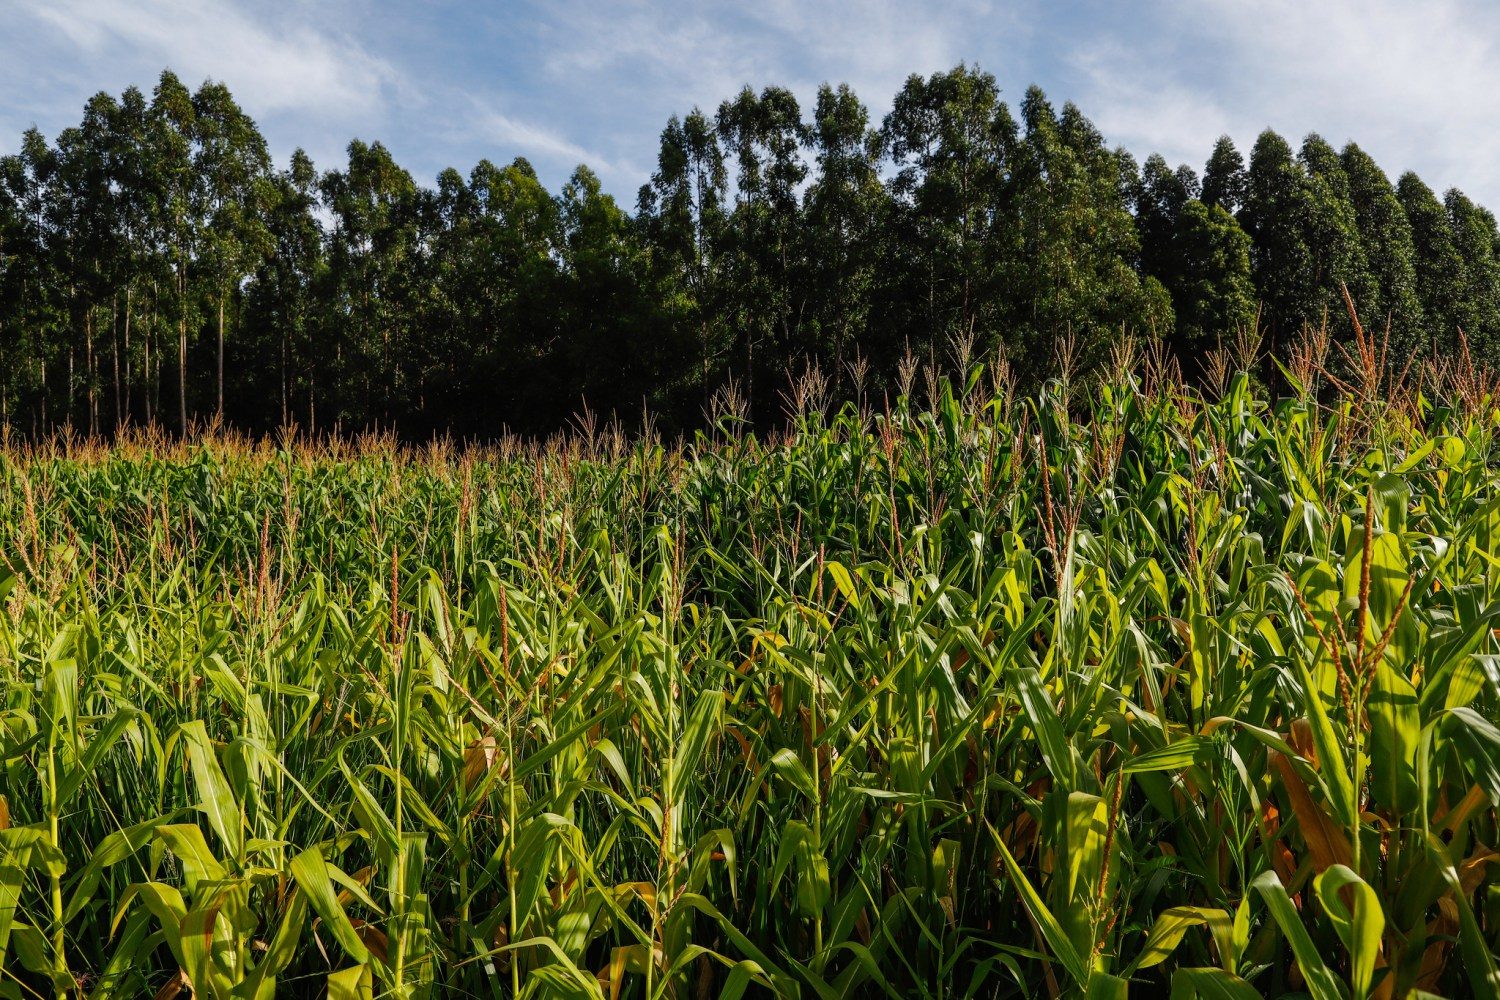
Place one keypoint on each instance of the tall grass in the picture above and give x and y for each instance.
(1101, 690)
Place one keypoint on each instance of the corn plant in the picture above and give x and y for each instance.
(1094, 691)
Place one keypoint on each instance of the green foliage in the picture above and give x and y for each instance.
(1475, 238)
(1224, 177)
(1212, 288)
(1439, 267)
(952, 143)
(1385, 233)
(845, 212)
(1201, 256)
(156, 269)
(1090, 692)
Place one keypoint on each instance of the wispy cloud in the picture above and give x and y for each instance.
(607, 77)
(444, 82)
(677, 55)
(276, 61)
(520, 137)
(294, 67)
(874, 45)
(1418, 85)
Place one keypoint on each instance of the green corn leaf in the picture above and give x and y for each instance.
(11, 877)
(167, 906)
(261, 983)
(1210, 984)
(354, 983)
(215, 797)
(1169, 927)
(1052, 932)
(1359, 925)
(1176, 756)
(1395, 731)
(1333, 766)
(1045, 723)
(1479, 741)
(198, 861)
(1480, 966)
(312, 875)
(1322, 984)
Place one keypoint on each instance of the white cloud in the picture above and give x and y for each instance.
(273, 62)
(534, 139)
(568, 81)
(1145, 112)
(1417, 85)
(610, 75)
(677, 55)
(874, 45)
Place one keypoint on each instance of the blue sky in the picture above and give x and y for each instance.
(445, 83)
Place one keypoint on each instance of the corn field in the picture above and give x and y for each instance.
(1106, 690)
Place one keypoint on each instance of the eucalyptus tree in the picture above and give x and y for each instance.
(1338, 253)
(1306, 245)
(1475, 239)
(32, 285)
(372, 210)
(1200, 255)
(1274, 213)
(1224, 179)
(177, 225)
(514, 255)
(845, 209)
(1213, 294)
(1160, 195)
(1440, 279)
(13, 256)
(766, 293)
(682, 213)
(18, 259)
(953, 235)
(488, 300)
(1385, 235)
(135, 186)
(84, 236)
(489, 242)
(281, 299)
(232, 169)
(454, 298)
(617, 358)
(1078, 241)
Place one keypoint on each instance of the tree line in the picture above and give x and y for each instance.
(157, 267)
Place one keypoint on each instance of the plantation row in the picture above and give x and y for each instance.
(157, 269)
(1098, 691)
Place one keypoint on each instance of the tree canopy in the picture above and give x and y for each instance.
(156, 266)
